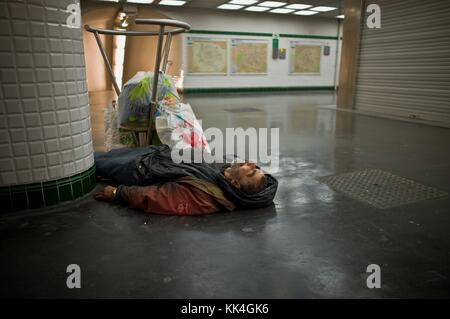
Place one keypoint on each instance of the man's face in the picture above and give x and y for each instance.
(244, 173)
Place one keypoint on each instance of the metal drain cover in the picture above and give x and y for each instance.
(380, 189)
(243, 110)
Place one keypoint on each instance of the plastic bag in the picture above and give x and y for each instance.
(177, 126)
(134, 100)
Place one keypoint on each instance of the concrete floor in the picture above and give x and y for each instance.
(313, 243)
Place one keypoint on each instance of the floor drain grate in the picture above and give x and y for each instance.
(380, 189)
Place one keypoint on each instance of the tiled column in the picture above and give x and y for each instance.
(46, 153)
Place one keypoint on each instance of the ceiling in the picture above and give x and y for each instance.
(213, 4)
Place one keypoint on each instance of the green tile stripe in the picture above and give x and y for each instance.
(256, 89)
(47, 193)
(257, 34)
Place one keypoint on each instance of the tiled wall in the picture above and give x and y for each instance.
(45, 130)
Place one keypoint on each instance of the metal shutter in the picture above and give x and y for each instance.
(404, 67)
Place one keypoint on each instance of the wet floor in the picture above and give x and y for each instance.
(313, 243)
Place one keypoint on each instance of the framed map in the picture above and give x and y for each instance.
(248, 56)
(305, 59)
(207, 56)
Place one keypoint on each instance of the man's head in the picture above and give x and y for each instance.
(246, 177)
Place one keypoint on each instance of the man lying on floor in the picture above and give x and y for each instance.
(148, 179)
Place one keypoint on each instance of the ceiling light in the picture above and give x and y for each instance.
(230, 7)
(298, 6)
(244, 2)
(305, 13)
(272, 4)
(256, 9)
(323, 9)
(340, 17)
(140, 1)
(282, 10)
(172, 2)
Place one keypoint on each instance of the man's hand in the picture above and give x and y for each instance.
(108, 194)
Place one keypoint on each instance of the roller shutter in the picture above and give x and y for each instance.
(404, 67)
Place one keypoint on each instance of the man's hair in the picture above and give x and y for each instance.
(252, 188)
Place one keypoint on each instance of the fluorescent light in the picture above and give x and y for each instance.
(140, 1)
(172, 2)
(272, 4)
(230, 7)
(256, 9)
(305, 13)
(323, 9)
(297, 6)
(282, 10)
(340, 17)
(244, 2)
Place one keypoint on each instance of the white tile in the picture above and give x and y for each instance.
(71, 87)
(22, 44)
(55, 45)
(32, 120)
(6, 165)
(39, 45)
(46, 104)
(6, 44)
(8, 76)
(68, 45)
(26, 76)
(38, 161)
(17, 11)
(30, 105)
(52, 145)
(48, 118)
(36, 148)
(67, 156)
(77, 140)
(22, 163)
(55, 172)
(17, 135)
(9, 178)
(45, 90)
(6, 59)
(24, 177)
(50, 131)
(53, 159)
(20, 27)
(20, 149)
(76, 127)
(68, 60)
(36, 13)
(11, 91)
(4, 27)
(79, 165)
(27, 90)
(40, 174)
(61, 103)
(75, 115)
(69, 169)
(63, 116)
(56, 60)
(73, 101)
(52, 15)
(43, 75)
(4, 136)
(15, 121)
(78, 152)
(58, 74)
(71, 74)
(59, 88)
(5, 151)
(65, 143)
(3, 122)
(34, 134)
(65, 130)
(24, 60)
(38, 29)
(41, 60)
(54, 30)
(13, 106)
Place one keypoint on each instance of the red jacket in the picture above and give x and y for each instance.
(185, 196)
